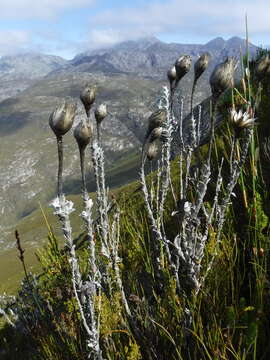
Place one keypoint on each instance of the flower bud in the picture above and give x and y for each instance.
(201, 65)
(61, 119)
(87, 97)
(222, 77)
(182, 66)
(152, 151)
(101, 113)
(82, 134)
(156, 134)
(155, 120)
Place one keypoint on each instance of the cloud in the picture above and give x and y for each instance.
(99, 38)
(207, 18)
(13, 41)
(43, 9)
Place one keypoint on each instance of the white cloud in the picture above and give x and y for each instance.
(99, 38)
(207, 18)
(25, 9)
(13, 41)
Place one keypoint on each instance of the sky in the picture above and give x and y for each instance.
(69, 27)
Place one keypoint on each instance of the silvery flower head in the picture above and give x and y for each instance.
(82, 134)
(62, 206)
(182, 66)
(62, 118)
(88, 96)
(222, 77)
(101, 113)
(242, 120)
(201, 65)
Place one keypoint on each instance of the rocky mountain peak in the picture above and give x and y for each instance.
(215, 44)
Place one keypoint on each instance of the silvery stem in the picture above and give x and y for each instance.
(60, 166)
(212, 131)
(192, 95)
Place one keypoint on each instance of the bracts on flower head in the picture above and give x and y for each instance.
(242, 120)
(201, 65)
(88, 96)
(62, 118)
(150, 148)
(182, 67)
(152, 151)
(222, 78)
(156, 120)
(82, 134)
(100, 114)
(156, 134)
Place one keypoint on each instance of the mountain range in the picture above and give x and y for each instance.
(129, 77)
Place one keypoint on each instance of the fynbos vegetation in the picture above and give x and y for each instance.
(175, 267)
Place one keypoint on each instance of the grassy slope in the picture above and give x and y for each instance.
(33, 229)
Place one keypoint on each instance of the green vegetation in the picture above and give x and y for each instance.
(229, 315)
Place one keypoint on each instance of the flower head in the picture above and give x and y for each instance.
(156, 133)
(242, 120)
(182, 66)
(61, 119)
(88, 96)
(82, 134)
(62, 206)
(152, 151)
(201, 65)
(101, 113)
(222, 77)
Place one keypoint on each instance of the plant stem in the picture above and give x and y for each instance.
(98, 132)
(60, 166)
(82, 158)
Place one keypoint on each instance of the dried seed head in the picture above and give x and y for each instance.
(201, 65)
(182, 66)
(87, 97)
(262, 67)
(152, 151)
(156, 134)
(101, 113)
(82, 134)
(171, 74)
(61, 119)
(222, 77)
